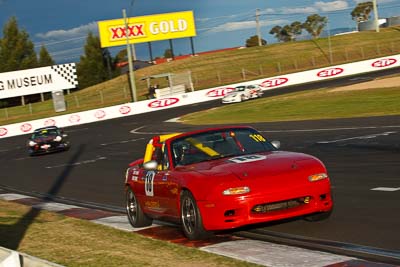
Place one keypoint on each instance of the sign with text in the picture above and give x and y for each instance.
(147, 28)
(38, 80)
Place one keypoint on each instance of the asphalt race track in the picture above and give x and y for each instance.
(362, 156)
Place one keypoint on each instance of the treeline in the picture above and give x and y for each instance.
(17, 52)
(314, 25)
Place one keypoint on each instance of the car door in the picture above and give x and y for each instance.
(164, 185)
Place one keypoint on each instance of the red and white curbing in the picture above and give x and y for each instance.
(254, 251)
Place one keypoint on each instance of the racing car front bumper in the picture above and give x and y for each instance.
(237, 211)
(47, 148)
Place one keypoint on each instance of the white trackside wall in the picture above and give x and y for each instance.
(200, 96)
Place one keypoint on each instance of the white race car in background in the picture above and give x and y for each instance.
(242, 93)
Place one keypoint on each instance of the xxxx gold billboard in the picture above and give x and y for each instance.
(147, 28)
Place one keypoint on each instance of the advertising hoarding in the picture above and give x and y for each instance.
(38, 80)
(147, 28)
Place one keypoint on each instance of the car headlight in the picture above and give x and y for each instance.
(236, 191)
(317, 177)
(58, 138)
(32, 143)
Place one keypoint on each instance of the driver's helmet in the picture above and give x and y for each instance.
(180, 150)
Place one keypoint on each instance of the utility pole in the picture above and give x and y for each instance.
(376, 15)
(329, 43)
(128, 48)
(258, 26)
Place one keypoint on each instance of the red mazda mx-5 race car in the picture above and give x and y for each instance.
(223, 178)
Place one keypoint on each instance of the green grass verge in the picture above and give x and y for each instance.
(74, 242)
(307, 105)
(227, 67)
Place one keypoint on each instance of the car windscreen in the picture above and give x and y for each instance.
(240, 89)
(218, 144)
(45, 133)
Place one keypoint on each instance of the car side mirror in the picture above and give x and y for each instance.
(276, 144)
(150, 165)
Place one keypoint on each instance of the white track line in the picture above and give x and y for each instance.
(136, 130)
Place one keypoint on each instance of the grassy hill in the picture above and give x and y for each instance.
(233, 66)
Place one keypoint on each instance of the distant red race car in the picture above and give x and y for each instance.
(223, 178)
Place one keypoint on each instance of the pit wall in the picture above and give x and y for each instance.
(134, 108)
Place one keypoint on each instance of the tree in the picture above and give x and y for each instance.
(16, 50)
(92, 68)
(44, 58)
(168, 53)
(362, 11)
(314, 25)
(253, 41)
(292, 30)
(277, 31)
(121, 56)
(288, 32)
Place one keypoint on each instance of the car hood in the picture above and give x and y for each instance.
(261, 165)
(44, 139)
(231, 94)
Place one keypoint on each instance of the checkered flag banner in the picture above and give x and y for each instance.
(68, 72)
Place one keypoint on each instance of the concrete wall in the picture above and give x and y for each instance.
(11, 258)
(370, 24)
(393, 21)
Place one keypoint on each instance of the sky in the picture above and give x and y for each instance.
(62, 26)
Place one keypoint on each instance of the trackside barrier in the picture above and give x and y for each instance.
(135, 108)
(11, 258)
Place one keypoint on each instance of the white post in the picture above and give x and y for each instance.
(329, 43)
(258, 26)
(376, 16)
(128, 48)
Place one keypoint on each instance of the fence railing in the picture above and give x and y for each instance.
(212, 77)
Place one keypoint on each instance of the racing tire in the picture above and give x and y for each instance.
(192, 222)
(136, 216)
(320, 216)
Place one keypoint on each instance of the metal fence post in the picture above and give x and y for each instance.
(279, 67)
(101, 96)
(378, 49)
(76, 101)
(125, 93)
